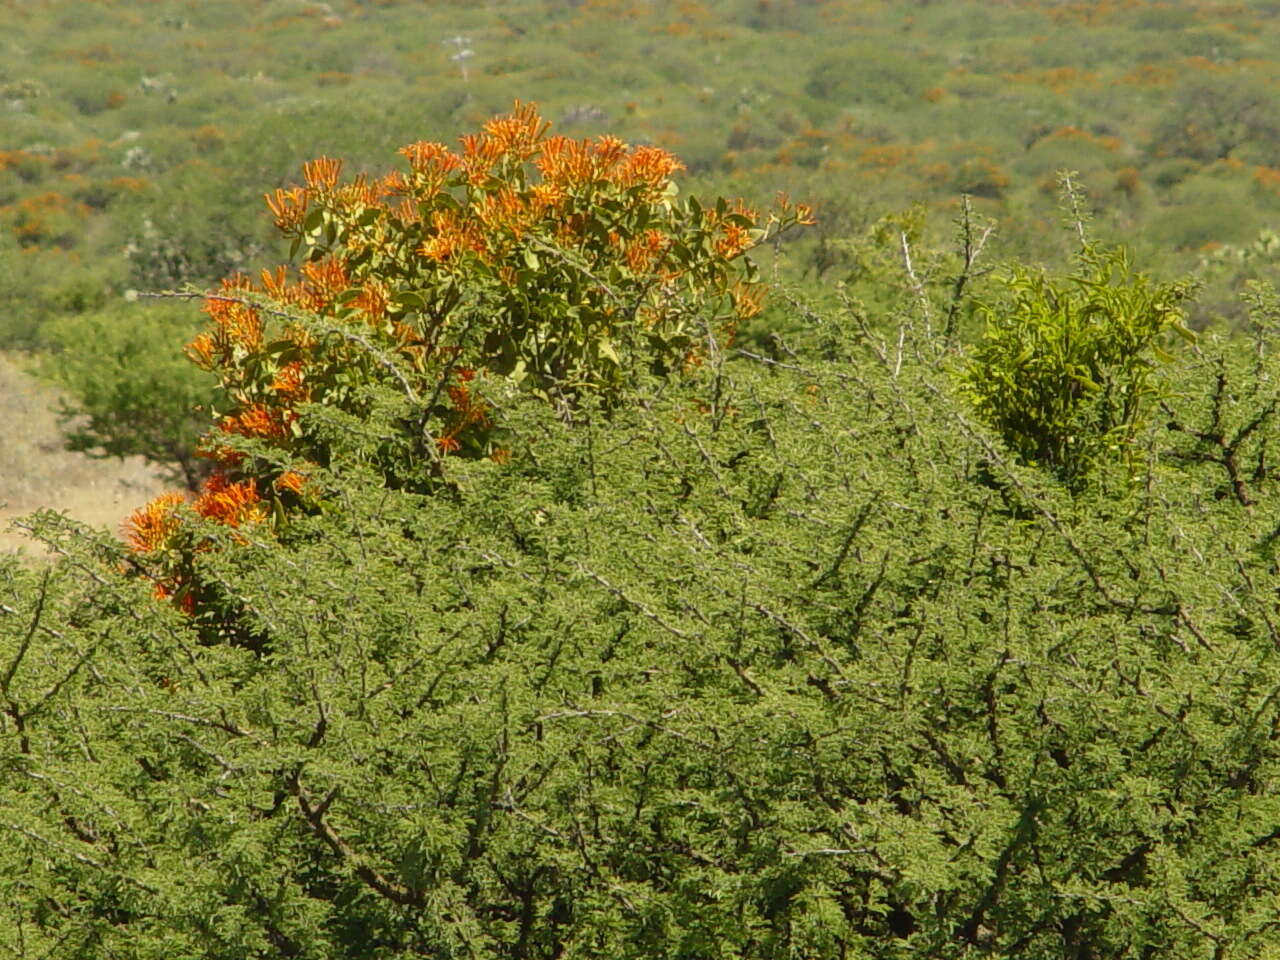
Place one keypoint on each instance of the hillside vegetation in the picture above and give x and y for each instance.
(577, 560)
(139, 137)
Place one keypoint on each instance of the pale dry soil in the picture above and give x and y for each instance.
(37, 472)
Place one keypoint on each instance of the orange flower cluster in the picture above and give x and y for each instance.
(431, 164)
(291, 481)
(454, 235)
(324, 280)
(735, 237)
(571, 164)
(504, 209)
(646, 250)
(467, 411)
(373, 300)
(519, 133)
(156, 528)
(1268, 178)
(803, 212)
(232, 503)
(259, 420)
(1111, 144)
(748, 299)
(236, 325)
(289, 383)
(322, 174)
(152, 528)
(288, 207)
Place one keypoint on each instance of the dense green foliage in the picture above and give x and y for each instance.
(1066, 368)
(789, 660)
(135, 394)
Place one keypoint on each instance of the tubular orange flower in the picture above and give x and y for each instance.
(453, 236)
(734, 240)
(441, 247)
(467, 411)
(288, 207)
(259, 420)
(322, 173)
(200, 351)
(566, 163)
(479, 154)
(325, 279)
(608, 150)
(503, 209)
(648, 166)
(218, 454)
(748, 299)
(432, 161)
(408, 211)
(359, 194)
(164, 589)
(289, 383)
(393, 184)
(236, 320)
(519, 132)
(275, 284)
(233, 504)
(300, 336)
(645, 249)
(292, 481)
(372, 300)
(741, 209)
(152, 527)
(546, 196)
(464, 404)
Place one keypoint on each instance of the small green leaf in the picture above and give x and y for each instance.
(410, 300)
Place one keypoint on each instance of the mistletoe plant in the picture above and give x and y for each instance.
(557, 266)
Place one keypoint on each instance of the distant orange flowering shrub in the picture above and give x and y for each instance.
(1268, 178)
(559, 266)
(1129, 180)
(1110, 144)
(1151, 75)
(885, 156)
(1057, 79)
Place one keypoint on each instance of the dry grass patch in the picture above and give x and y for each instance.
(36, 471)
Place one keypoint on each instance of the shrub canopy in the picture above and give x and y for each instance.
(730, 656)
(764, 666)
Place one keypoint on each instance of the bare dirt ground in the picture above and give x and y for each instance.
(36, 472)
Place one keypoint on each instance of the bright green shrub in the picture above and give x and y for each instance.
(130, 391)
(760, 668)
(1066, 369)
